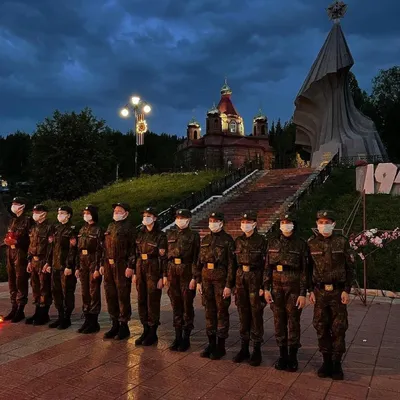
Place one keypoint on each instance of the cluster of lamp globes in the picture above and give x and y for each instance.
(137, 103)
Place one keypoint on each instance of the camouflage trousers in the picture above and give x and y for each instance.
(250, 305)
(149, 297)
(18, 278)
(63, 291)
(179, 277)
(286, 315)
(91, 287)
(41, 284)
(118, 291)
(330, 321)
(217, 308)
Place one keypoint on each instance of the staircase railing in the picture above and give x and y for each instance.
(214, 188)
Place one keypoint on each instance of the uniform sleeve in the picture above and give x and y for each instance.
(350, 267)
(132, 250)
(263, 252)
(267, 270)
(73, 250)
(310, 266)
(304, 276)
(199, 265)
(50, 246)
(103, 250)
(77, 258)
(163, 255)
(196, 252)
(232, 265)
(99, 249)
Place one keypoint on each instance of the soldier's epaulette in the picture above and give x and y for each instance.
(311, 238)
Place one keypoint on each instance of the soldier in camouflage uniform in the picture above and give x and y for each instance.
(333, 274)
(63, 280)
(151, 268)
(287, 276)
(88, 260)
(17, 242)
(250, 256)
(215, 277)
(39, 265)
(117, 267)
(183, 253)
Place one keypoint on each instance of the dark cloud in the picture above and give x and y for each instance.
(96, 53)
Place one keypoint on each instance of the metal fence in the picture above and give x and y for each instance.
(353, 161)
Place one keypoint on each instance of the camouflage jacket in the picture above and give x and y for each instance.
(218, 248)
(90, 240)
(289, 252)
(119, 243)
(63, 247)
(185, 245)
(41, 238)
(20, 228)
(151, 248)
(332, 261)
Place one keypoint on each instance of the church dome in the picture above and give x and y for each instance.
(213, 110)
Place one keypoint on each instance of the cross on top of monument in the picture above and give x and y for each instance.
(336, 11)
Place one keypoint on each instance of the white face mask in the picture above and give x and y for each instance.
(147, 221)
(215, 227)
(119, 217)
(87, 218)
(63, 218)
(246, 228)
(326, 229)
(15, 209)
(38, 217)
(286, 228)
(182, 223)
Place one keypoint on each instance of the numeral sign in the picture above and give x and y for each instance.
(382, 179)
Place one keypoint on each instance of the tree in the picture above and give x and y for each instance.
(282, 140)
(70, 155)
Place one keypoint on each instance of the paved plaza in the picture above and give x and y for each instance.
(45, 364)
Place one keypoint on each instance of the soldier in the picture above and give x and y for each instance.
(63, 280)
(287, 275)
(17, 242)
(88, 260)
(215, 277)
(333, 274)
(250, 257)
(151, 268)
(117, 267)
(39, 265)
(183, 253)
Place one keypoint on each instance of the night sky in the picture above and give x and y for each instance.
(68, 54)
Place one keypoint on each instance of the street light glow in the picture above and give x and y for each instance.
(146, 109)
(135, 100)
(124, 112)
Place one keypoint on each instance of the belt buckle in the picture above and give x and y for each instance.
(328, 288)
(35, 258)
(84, 252)
(13, 246)
(144, 257)
(177, 261)
(246, 268)
(111, 261)
(210, 265)
(279, 268)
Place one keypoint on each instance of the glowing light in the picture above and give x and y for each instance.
(135, 100)
(146, 109)
(124, 112)
(1, 319)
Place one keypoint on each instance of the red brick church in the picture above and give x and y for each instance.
(225, 143)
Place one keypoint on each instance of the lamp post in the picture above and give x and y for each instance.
(138, 108)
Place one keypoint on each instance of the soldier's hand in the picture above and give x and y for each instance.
(160, 284)
(128, 273)
(199, 288)
(134, 279)
(312, 298)
(77, 274)
(345, 298)
(261, 292)
(29, 268)
(96, 274)
(101, 270)
(268, 297)
(46, 269)
(227, 293)
(192, 284)
(165, 281)
(301, 302)
(67, 271)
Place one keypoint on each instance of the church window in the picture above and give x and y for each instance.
(216, 123)
(232, 127)
(195, 135)
(262, 129)
(254, 131)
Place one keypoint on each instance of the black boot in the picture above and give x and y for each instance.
(244, 352)
(34, 317)
(93, 325)
(178, 340)
(185, 344)
(219, 350)
(113, 331)
(326, 369)
(65, 322)
(151, 338)
(85, 324)
(58, 321)
(281, 364)
(123, 332)
(140, 339)
(337, 371)
(212, 343)
(43, 318)
(12, 313)
(293, 364)
(19, 315)
(256, 356)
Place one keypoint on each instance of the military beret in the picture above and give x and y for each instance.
(19, 200)
(184, 213)
(67, 209)
(286, 216)
(150, 210)
(125, 206)
(94, 211)
(217, 215)
(250, 215)
(40, 207)
(328, 214)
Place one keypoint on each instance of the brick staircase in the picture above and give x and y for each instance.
(267, 195)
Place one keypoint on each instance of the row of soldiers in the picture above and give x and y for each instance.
(279, 272)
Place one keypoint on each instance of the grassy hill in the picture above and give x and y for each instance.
(339, 194)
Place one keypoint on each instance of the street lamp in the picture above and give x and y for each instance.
(138, 108)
